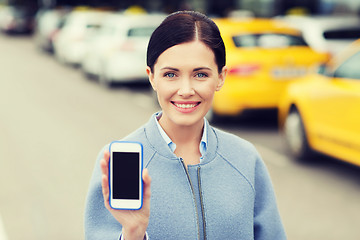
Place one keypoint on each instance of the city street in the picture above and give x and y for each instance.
(54, 121)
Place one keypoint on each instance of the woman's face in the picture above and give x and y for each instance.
(185, 78)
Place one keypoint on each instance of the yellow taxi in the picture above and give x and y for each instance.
(263, 55)
(321, 112)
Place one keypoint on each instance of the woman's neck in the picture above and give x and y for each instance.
(186, 138)
(182, 134)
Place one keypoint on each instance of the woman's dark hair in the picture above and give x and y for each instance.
(185, 26)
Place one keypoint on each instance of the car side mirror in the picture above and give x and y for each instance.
(322, 69)
(325, 70)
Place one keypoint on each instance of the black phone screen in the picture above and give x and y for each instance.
(126, 175)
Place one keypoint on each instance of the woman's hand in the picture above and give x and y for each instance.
(134, 222)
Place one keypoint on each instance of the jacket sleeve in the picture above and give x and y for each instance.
(267, 222)
(99, 223)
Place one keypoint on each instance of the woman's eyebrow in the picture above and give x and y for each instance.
(194, 70)
(201, 68)
(170, 68)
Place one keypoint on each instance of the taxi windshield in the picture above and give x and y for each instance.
(268, 40)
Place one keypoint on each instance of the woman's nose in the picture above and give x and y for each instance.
(186, 89)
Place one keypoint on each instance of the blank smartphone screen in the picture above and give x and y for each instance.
(126, 175)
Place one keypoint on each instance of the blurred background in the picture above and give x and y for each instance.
(73, 79)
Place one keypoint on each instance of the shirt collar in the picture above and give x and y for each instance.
(172, 145)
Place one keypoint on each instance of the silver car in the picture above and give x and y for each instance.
(118, 52)
(329, 34)
(80, 26)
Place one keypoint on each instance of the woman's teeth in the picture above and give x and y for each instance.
(185, 105)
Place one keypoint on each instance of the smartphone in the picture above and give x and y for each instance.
(125, 175)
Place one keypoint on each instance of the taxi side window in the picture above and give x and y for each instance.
(269, 40)
(350, 68)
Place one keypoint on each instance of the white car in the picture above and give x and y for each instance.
(17, 19)
(118, 53)
(80, 26)
(48, 23)
(329, 34)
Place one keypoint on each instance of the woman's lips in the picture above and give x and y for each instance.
(186, 107)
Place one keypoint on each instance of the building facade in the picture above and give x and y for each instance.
(260, 8)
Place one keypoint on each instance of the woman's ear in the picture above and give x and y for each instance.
(151, 77)
(222, 77)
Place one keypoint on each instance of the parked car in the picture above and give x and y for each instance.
(17, 19)
(321, 112)
(79, 26)
(263, 57)
(118, 53)
(327, 33)
(47, 24)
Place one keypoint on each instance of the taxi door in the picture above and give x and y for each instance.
(337, 110)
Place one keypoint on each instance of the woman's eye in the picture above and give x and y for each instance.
(201, 75)
(170, 75)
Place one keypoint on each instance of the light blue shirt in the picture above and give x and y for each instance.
(172, 145)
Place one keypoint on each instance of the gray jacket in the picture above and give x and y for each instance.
(228, 195)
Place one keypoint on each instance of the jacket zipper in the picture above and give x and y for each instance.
(194, 198)
(201, 203)
(201, 198)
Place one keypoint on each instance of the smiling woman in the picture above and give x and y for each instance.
(205, 183)
(185, 78)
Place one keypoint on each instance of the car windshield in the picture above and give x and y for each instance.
(351, 34)
(141, 31)
(268, 40)
(93, 26)
(350, 68)
(21, 12)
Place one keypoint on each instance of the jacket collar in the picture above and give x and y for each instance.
(160, 146)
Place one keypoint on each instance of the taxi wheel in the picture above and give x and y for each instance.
(296, 137)
(212, 117)
(105, 82)
(209, 115)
